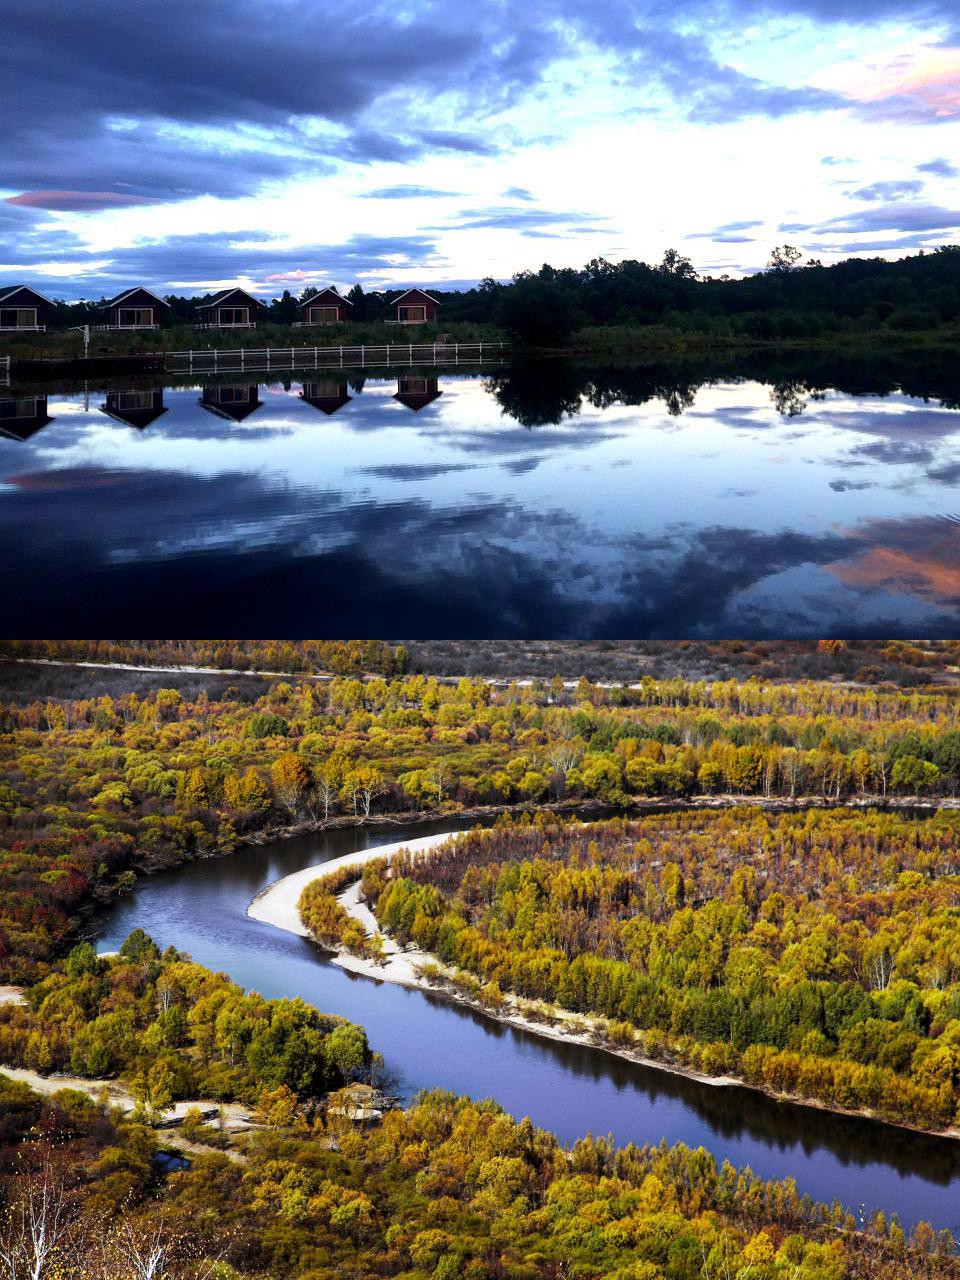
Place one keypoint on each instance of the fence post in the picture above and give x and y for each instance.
(216, 359)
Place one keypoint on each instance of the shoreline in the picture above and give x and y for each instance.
(277, 905)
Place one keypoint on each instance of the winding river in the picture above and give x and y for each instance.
(428, 1042)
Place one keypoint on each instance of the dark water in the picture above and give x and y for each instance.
(569, 1089)
(538, 501)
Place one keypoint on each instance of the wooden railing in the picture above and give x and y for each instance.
(121, 328)
(4, 371)
(23, 328)
(270, 359)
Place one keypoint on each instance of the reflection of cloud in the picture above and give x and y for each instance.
(411, 471)
(340, 552)
(922, 558)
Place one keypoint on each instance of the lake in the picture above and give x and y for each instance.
(430, 1043)
(544, 499)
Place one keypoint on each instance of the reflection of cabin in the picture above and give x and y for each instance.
(136, 308)
(325, 307)
(229, 309)
(22, 416)
(135, 408)
(417, 392)
(415, 307)
(23, 310)
(327, 394)
(233, 402)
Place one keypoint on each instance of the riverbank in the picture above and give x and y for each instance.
(411, 967)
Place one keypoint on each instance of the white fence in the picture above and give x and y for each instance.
(270, 359)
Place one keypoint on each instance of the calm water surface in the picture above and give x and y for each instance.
(522, 503)
(201, 908)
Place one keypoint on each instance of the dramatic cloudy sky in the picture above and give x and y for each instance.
(279, 143)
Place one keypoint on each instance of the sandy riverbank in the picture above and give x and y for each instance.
(277, 904)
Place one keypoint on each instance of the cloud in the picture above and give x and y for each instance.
(76, 200)
(407, 191)
(730, 232)
(905, 216)
(527, 221)
(893, 190)
(518, 193)
(940, 168)
(190, 264)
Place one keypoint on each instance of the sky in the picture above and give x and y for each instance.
(276, 144)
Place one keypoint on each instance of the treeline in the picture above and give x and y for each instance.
(341, 657)
(93, 790)
(811, 953)
(449, 1189)
(790, 301)
(869, 662)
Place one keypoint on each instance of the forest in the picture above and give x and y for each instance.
(447, 1189)
(792, 300)
(677, 925)
(812, 954)
(95, 790)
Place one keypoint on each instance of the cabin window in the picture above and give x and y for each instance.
(135, 317)
(324, 315)
(234, 315)
(18, 318)
(25, 408)
(411, 315)
(134, 400)
(233, 395)
(413, 386)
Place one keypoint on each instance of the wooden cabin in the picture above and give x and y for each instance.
(135, 308)
(325, 307)
(23, 310)
(135, 408)
(235, 402)
(22, 416)
(416, 393)
(415, 307)
(326, 394)
(229, 309)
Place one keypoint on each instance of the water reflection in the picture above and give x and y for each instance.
(22, 416)
(543, 499)
(234, 401)
(137, 407)
(326, 394)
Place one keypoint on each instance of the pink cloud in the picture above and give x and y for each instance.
(76, 200)
(921, 84)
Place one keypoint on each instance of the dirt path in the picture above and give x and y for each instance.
(237, 1118)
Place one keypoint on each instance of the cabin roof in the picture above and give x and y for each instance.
(12, 290)
(224, 294)
(137, 288)
(331, 291)
(423, 294)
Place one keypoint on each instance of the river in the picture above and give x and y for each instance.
(429, 1043)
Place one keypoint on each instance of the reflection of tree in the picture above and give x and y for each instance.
(540, 392)
(789, 398)
(357, 381)
(677, 399)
